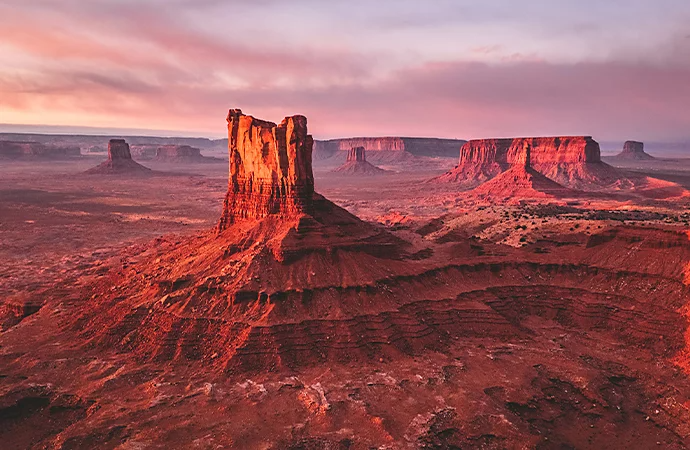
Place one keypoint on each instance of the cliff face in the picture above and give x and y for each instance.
(118, 149)
(550, 150)
(567, 160)
(634, 150)
(356, 154)
(270, 168)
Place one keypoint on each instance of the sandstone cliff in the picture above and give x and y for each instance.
(119, 161)
(573, 161)
(634, 150)
(270, 168)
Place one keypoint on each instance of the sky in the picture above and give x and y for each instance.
(614, 69)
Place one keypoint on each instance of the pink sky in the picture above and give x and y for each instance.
(613, 69)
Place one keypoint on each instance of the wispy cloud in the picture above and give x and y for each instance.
(457, 69)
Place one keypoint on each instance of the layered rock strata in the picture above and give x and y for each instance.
(270, 168)
(573, 161)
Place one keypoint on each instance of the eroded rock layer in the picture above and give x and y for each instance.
(270, 168)
(572, 161)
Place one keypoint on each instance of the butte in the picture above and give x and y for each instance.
(280, 274)
(357, 164)
(634, 150)
(119, 161)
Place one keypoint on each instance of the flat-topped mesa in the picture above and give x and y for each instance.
(544, 150)
(270, 168)
(118, 149)
(554, 157)
(357, 154)
(177, 151)
(634, 150)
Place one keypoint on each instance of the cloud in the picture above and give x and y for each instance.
(170, 65)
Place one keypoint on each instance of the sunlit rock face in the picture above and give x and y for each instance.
(567, 159)
(270, 168)
(575, 149)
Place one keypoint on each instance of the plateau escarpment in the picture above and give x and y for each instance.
(357, 164)
(119, 161)
(572, 161)
(634, 150)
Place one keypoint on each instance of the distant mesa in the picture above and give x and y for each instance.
(171, 153)
(521, 181)
(36, 150)
(571, 161)
(388, 149)
(634, 150)
(119, 161)
(357, 164)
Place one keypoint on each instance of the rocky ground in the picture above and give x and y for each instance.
(557, 323)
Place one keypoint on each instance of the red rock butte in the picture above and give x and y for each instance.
(119, 160)
(270, 168)
(356, 154)
(634, 150)
(357, 164)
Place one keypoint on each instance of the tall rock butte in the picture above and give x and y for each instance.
(634, 150)
(357, 164)
(270, 168)
(573, 161)
(119, 160)
(356, 154)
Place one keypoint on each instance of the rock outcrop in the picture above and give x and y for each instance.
(521, 181)
(634, 150)
(357, 164)
(572, 161)
(36, 150)
(277, 240)
(119, 161)
(270, 168)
